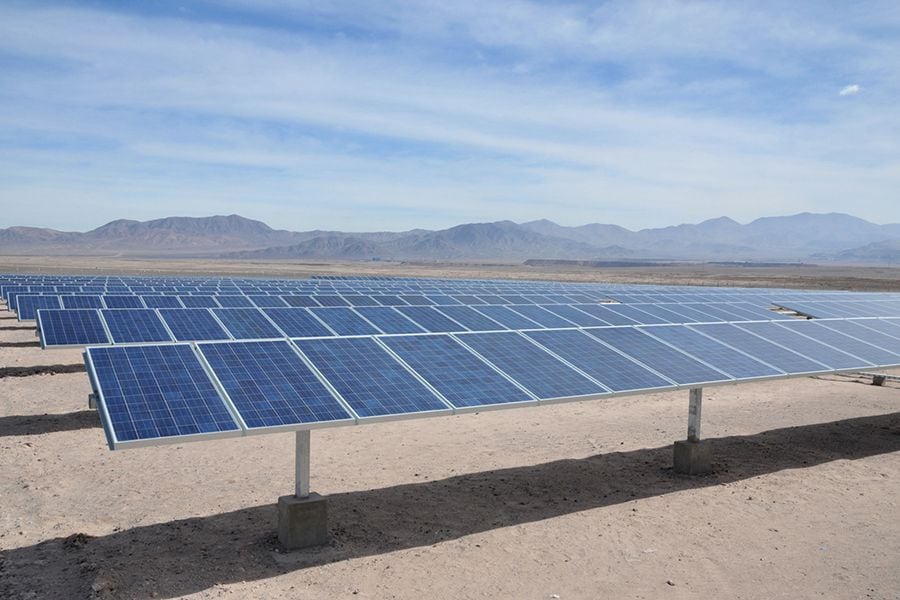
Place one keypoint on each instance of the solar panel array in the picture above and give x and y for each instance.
(277, 355)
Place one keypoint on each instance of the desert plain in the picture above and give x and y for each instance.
(566, 501)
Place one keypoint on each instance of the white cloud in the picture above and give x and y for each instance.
(850, 90)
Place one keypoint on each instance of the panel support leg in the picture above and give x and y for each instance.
(303, 516)
(693, 456)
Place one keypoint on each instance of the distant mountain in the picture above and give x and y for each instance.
(791, 238)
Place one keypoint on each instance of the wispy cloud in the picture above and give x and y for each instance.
(850, 90)
(427, 114)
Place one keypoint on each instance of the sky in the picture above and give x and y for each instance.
(391, 115)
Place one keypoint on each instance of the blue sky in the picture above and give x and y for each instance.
(392, 115)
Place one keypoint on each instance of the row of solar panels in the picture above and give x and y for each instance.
(842, 309)
(81, 327)
(158, 393)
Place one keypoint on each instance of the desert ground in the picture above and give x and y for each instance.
(565, 501)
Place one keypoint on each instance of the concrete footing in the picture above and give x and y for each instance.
(302, 522)
(692, 458)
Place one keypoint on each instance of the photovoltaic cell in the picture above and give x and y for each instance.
(162, 301)
(297, 322)
(859, 331)
(388, 300)
(79, 301)
(247, 323)
(544, 318)
(193, 324)
(198, 301)
(675, 365)
(369, 379)
(132, 325)
(264, 301)
(536, 370)
(344, 321)
(156, 392)
(863, 349)
(234, 302)
(28, 305)
(270, 385)
(736, 364)
(123, 302)
(300, 300)
(506, 317)
(617, 372)
(470, 318)
(388, 320)
(331, 300)
(430, 319)
(72, 327)
(607, 314)
(781, 358)
(808, 347)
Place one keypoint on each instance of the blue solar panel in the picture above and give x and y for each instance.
(443, 300)
(430, 319)
(162, 301)
(778, 357)
(193, 324)
(736, 364)
(617, 372)
(344, 321)
(660, 314)
(297, 322)
(72, 327)
(470, 318)
(331, 300)
(536, 370)
(416, 300)
(863, 349)
(469, 300)
(81, 301)
(607, 315)
(198, 301)
(675, 365)
(270, 385)
(369, 379)
(388, 320)
(388, 300)
(693, 313)
(858, 330)
(360, 300)
(570, 313)
(506, 317)
(461, 377)
(156, 392)
(817, 351)
(263, 301)
(542, 317)
(131, 325)
(298, 300)
(247, 323)
(28, 305)
(634, 313)
(234, 302)
(123, 302)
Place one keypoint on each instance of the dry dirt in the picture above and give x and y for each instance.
(566, 501)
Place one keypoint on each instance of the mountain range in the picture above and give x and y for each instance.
(804, 237)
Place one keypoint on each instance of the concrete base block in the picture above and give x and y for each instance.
(302, 522)
(692, 458)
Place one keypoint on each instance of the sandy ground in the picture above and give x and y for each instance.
(568, 501)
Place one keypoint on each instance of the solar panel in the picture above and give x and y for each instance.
(198, 301)
(858, 330)
(300, 300)
(443, 300)
(331, 300)
(544, 318)
(388, 300)
(270, 385)
(28, 305)
(247, 323)
(162, 301)
(862, 349)
(360, 300)
(72, 327)
(263, 301)
(132, 325)
(826, 355)
(79, 301)
(123, 302)
(507, 317)
(151, 393)
(717, 354)
(193, 324)
(675, 365)
(617, 372)
(388, 320)
(430, 319)
(297, 322)
(368, 378)
(460, 376)
(416, 300)
(470, 318)
(344, 321)
(763, 350)
(234, 302)
(530, 366)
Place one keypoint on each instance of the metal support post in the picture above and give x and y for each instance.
(694, 409)
(301, 486)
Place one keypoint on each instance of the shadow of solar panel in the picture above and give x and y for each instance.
(808, 347)
(297, 322)
(763, 350)
(368, 378)
(388, 320)
(529, 365)
(717, 354)
(863, 349)
(430, 319)
(247, 323)
(270, 385)
(470, 318)
(460, 376)
(151, 393)
(72, 327)
(617, 372)
(134, 325)
(344, 321)
(677, 366)
(193, 324)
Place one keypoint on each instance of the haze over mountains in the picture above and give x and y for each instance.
(801, 237)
